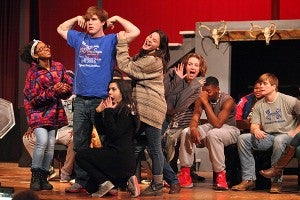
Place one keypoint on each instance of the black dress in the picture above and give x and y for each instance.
(115, 161)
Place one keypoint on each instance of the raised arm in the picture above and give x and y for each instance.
(131, 31)
(63, 28)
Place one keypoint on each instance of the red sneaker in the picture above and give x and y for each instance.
(221, 183)
(185, 178)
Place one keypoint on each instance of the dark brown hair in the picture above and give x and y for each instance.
(162, 52)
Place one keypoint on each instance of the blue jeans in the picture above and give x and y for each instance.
(140, 144)
(169, 175)
(247, 142)
(153, 143)
(44, 148)
(83, 121)
(296, 140)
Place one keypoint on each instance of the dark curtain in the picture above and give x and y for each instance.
(10, 145)
(9, 44)
(34, 32)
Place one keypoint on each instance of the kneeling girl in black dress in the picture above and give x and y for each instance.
(113, 164)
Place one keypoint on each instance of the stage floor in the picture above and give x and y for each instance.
(13, 176)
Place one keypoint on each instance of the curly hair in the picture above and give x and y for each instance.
(202, 63)
(25, 54)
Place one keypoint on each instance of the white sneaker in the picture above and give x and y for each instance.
(103, 189)
(52, 173)
(72, 181)
(133, 186)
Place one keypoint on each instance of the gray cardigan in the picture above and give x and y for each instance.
(147, 74)
(179, 94)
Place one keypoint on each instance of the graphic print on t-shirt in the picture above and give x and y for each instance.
(276, 116)
(89, 56)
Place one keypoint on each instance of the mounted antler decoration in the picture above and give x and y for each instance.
(216, 33)
(268, 31)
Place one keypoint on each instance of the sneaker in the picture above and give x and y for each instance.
(64, 178)
(244, 185)
(113, 192)
(133, 187)
(221, 183)
(185, 180)
(52, 173)
(152, 190)
(146, 182)
(175, 188)
(166, 184)
(75, 188)
(104, 188)
(72, 181)
(276, 187)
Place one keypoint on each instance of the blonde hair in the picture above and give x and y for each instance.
(269, 77)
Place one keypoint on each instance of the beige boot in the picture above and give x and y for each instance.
(244, 185)
(276, 187)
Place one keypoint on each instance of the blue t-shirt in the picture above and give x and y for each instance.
(94, 62)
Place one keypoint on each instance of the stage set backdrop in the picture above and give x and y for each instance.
(24, 20)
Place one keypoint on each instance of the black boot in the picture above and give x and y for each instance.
(44, 184)
(35, 180)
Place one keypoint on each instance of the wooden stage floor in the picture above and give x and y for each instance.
(13, 176)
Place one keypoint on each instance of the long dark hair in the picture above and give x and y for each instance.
(163, 51)
(128, 104)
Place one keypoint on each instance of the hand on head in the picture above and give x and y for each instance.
(111, 22)
(81, 21)
(204, 96)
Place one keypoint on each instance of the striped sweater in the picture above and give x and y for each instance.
(147, 75)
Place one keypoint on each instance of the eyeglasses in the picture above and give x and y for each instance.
(43, 48)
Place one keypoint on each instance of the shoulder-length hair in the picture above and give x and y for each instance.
(128, 104)
(202, 63)
(162, 52)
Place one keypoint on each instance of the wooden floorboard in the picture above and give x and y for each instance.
(13, 176)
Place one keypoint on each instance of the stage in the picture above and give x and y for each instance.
(19, 178)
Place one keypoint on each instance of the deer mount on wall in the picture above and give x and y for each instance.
(268, 31)
(215, 33)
